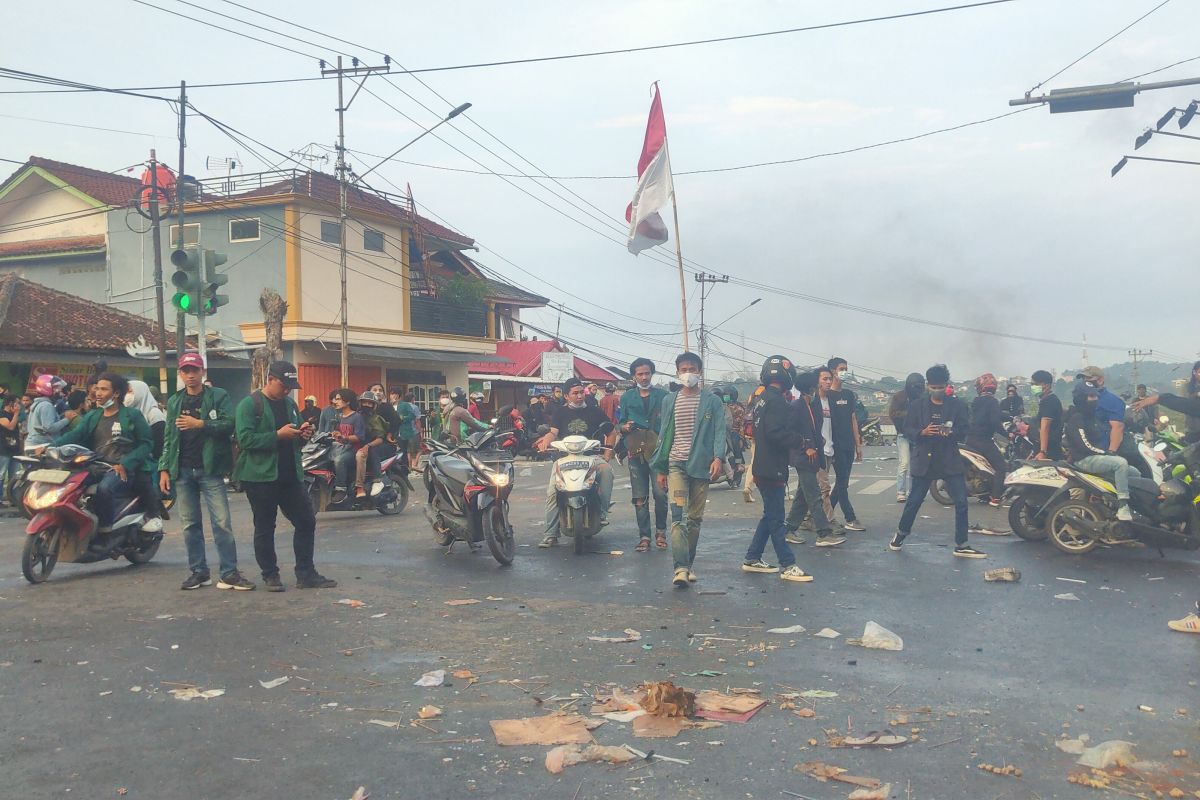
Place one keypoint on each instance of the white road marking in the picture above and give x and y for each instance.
(878, 487)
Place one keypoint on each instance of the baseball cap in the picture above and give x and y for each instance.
(1091, 373)
(191, 360)
(285, 371)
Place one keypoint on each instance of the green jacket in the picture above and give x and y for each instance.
(258, 459)
(216, 411)
(133, 427)
(708, 436)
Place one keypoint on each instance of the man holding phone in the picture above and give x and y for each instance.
(270, 435)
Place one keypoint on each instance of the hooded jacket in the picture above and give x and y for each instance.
(802, 419)
(914, 387)
(775, 435)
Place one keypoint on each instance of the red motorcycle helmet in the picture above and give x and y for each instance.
(985, 384)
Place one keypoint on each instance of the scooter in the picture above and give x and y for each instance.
(979, 475)
(468, 487)
(575, 482)
(20, 482)
(64, 528)
(1031, 487)
(388, 492)
(872, 433)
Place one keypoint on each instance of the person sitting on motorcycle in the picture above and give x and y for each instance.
(987, 420)
(457, 422)
(44, 422)
(121, 437)
(576, 417)
(1012, 404)
(1087, 445)
(1189, 406)
(349, 433)
(371, 453)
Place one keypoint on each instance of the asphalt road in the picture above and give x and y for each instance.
(989, 673)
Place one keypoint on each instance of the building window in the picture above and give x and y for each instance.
(243, 230)
(191, 234)
(372, 240)
(331, 232)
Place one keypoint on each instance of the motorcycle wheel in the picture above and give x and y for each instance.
(37, 562)
(314, 496)
(1067, 535)
(937, 490)
(397, 505)
(498, 533)
(1022, 520)
(143, 554)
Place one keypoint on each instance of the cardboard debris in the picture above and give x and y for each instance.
(271, 684)
(827, 772)
(818, 694)
(789, 629)
(1002, 575)
(435, 678)
(464, 674)
(727, 708)
(550, 729)
(468, 602)
(882, 793)
(665, 699)
(630, 636)
(827, 633)
(651, 727)
(568, 755)
(429, 712)
(618, 701)
(195, 693)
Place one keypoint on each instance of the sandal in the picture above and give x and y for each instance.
(660, 540)
(643, 545)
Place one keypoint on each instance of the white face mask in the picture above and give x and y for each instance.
(108, 403)
(689, 379)
(644, 384)
(445, 401)
(576, 406)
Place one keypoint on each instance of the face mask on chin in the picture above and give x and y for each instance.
(689, 379)
(445, 401)
(109, 403)
(576, 406)
(644, 384)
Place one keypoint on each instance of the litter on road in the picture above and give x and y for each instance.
(787, 630)
(271, 684)
(196, 693)
(435, 678)
(1002, 575)
(827, 633)
(466, 602)
(1066, 596)
(877, 637)
(630, 636)
(550, 729)
(569, 755)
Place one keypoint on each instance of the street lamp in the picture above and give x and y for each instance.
(1093, 98)
(454, 113)
(1120, 165)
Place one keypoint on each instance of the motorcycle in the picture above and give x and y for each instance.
(1031, 487)
(979, 475)
(387, 493)
(575, 482)
(468, 487)
(20, 482)
(1018, 445)
(64, 528)
(1163, 516)
(872, 433)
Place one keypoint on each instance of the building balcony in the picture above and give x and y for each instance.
(431, 315)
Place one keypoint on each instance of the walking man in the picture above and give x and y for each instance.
(914, 387)
(639, 414)
(771, 425)
(270, 435)
(800, 515)
(847, 441)
(812, 494)
(196, 456)
(935, 425)
(690, 452)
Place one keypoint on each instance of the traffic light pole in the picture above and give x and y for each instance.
(180, 317)
(158, 276)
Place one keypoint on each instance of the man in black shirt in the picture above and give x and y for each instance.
(847, 442)
(576, 417)
(1049, 417)
(1012, 404)
(987, 420)
(935, 424)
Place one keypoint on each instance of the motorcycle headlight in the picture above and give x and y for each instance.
(41, 496)
(498, 479)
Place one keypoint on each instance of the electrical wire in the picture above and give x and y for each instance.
(1160, 69)
(86, 127)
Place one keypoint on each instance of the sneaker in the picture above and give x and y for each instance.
(794, 573)
(829, 540)
(234, 580)
(966, 551)
(680, 580)
(897, 541)
(152, 525)
(1124, 514)
(807, 525)
(748, 496)
(758, 566)
(273, 583)
(1189, 624)
(314, 580)
(548, 541)
(359, 492)
(853, 525)
(692, 577)
(994, 502)
(196, 580)
(793, 538)
(901, 497)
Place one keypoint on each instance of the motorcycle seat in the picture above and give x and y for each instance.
(1144, 485)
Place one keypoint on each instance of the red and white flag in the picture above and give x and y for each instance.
(654, 190)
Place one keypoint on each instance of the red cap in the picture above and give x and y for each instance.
(191, 360)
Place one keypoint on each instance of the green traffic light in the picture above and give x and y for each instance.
(182, 301)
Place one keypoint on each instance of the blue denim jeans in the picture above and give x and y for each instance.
(688, 498)
(903, 451)
(343, 465)
(956, 487)
(771, 527)
(190, 487)
(643, 483)
(113, 493)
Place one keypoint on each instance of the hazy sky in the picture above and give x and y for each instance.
(1013, 225)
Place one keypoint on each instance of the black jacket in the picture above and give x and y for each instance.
(1083, 437)
(803, 418)
(1014, 406)
(773, 436)
(935, 456)
(986, 418)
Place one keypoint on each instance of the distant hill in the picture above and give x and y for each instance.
(1157, 375)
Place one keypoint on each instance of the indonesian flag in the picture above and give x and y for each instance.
(654, 190)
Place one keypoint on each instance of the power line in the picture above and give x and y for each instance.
(1160, 69)
(86, 127)
(223, 28)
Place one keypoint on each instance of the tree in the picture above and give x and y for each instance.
(274, 309)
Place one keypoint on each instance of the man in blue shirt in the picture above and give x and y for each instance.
(1110, 417)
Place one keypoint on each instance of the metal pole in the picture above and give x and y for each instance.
(703, 294)
(158, 275)
(201, 336)
(1100, 91)
(343, 215)
(180, 317)
(678, 248)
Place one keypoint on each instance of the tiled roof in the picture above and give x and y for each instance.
(66, 244)
(35, 317)
(526, 361)
(110, 189)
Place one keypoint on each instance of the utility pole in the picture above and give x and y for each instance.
(704, 279)
(343, 198)
(158, 274)
(1135, 354)
(180, 317)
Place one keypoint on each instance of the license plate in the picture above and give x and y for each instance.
(566, 465)
(49, 475)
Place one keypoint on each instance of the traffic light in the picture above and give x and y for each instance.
(213, 280)
(187, 279)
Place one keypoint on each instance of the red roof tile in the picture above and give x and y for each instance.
(525, 361)
(66, 244)
(110, 189)
(26, 309)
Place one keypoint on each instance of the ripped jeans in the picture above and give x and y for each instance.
(644, 485)
(688, 497)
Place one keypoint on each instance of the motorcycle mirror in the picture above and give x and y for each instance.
(1160, 447)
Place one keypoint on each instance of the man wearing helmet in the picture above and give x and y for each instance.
(776, 439)
(1087, 443)
(375, 448)
(44, 422)
(986, 420)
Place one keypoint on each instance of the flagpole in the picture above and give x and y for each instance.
(678, 246)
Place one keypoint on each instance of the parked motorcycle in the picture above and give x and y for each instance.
(20, 482)
(872, 433)
(64, 528)
(979, 475)
(1018, 445)
(468, 487)
(1163, 516)
(387, 492)
(575, 481)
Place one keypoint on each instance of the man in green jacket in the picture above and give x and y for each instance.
(638, 413)
(690, 453)
(197, 454)
(121, 437)
(270, 435)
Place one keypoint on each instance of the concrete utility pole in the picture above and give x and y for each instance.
(704, 279)
(156, 221)
(343, 199)
(180, 317)
(1135, 354)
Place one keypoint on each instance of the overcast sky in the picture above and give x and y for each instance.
(1014, 225)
